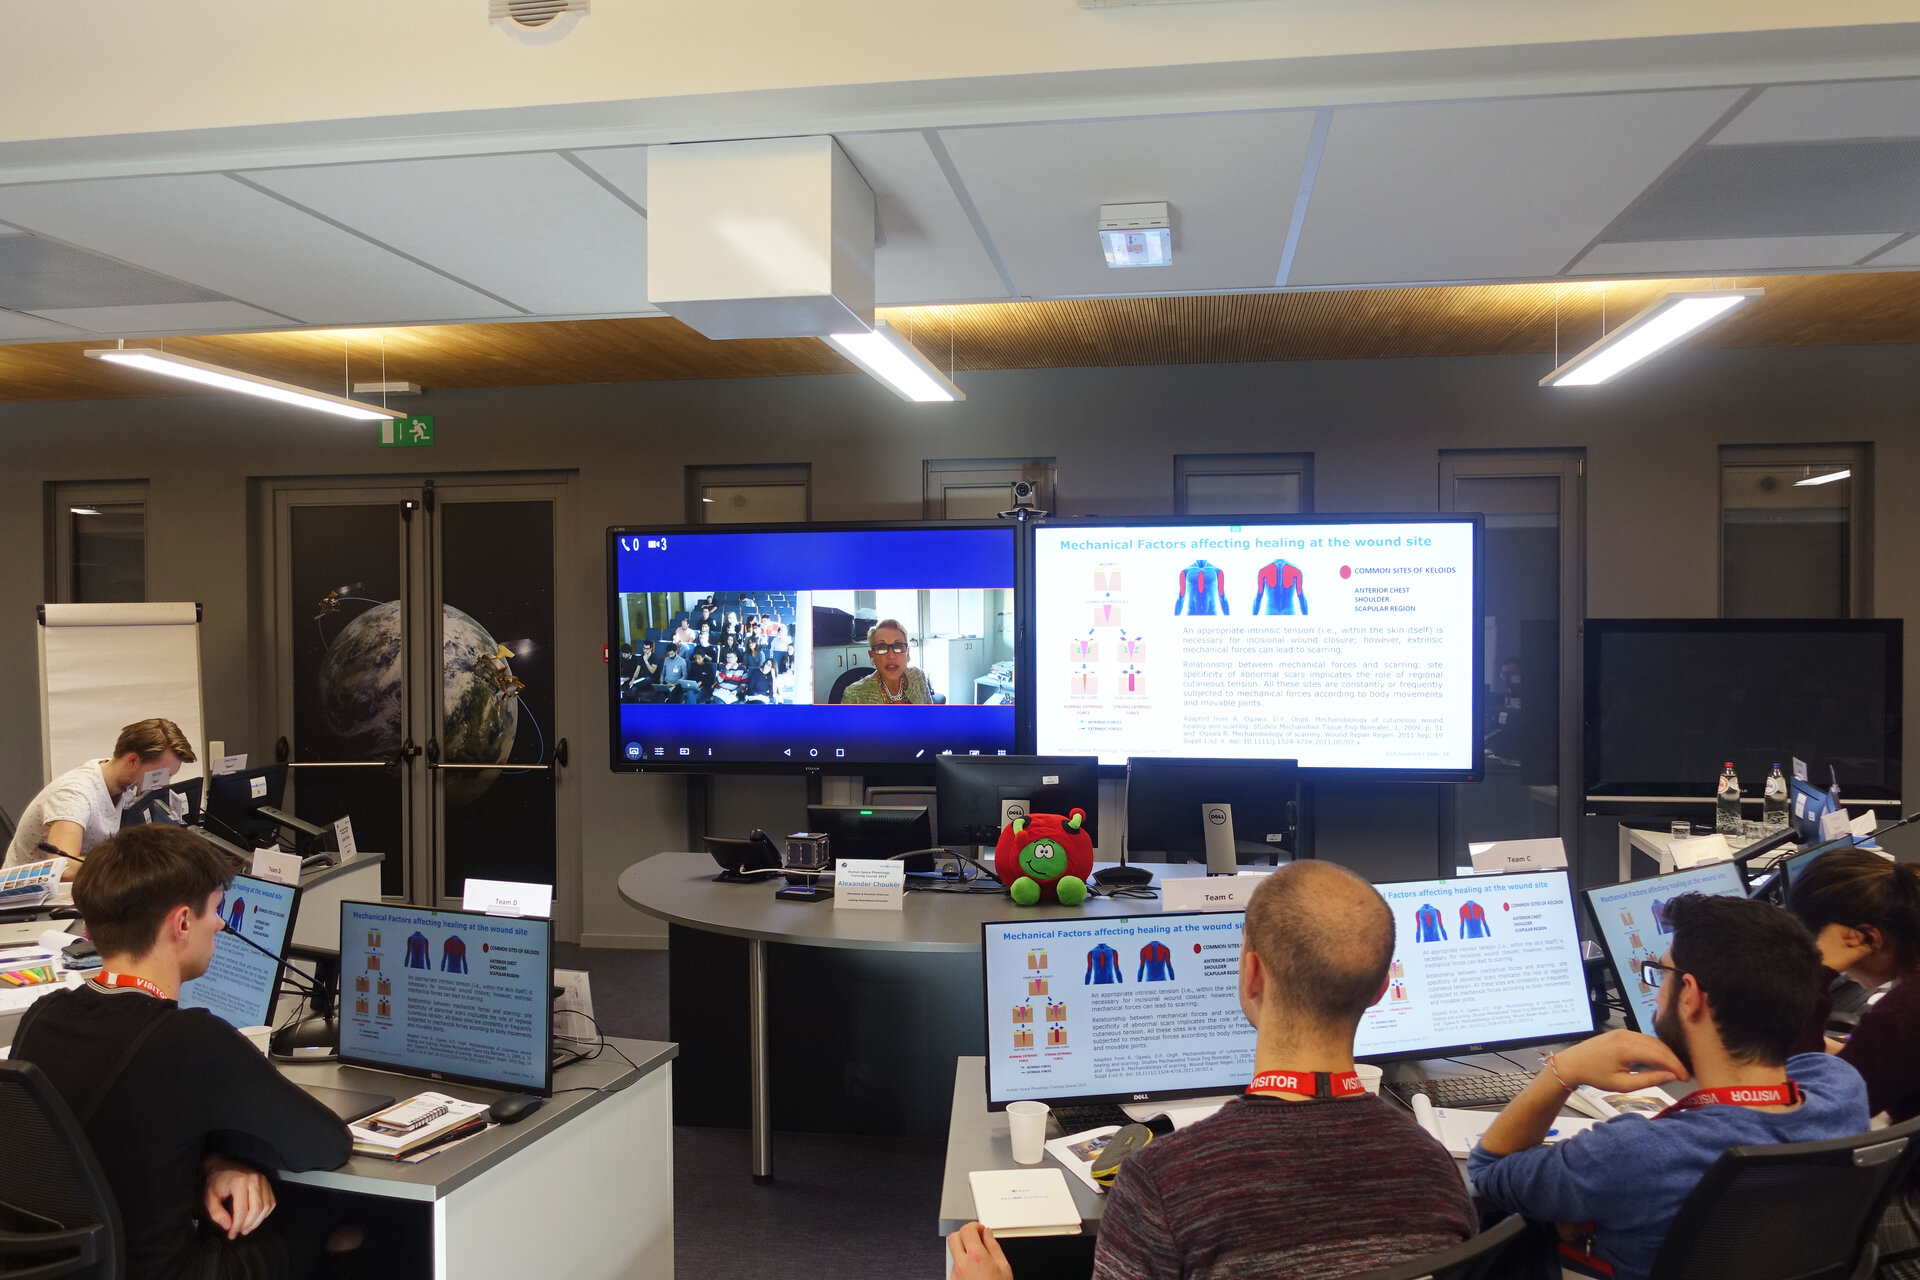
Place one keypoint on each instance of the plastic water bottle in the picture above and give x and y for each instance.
(1727, 816)
(1774, 803)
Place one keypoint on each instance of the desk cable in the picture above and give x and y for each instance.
(600, 1045)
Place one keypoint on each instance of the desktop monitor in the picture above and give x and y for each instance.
(1171, 803)
(1479, 964)
(450, 995)
(152, 807)
(241, 982)
(786, 611)
(1806, 805)
(1797, 865)
(1633, 926)
(234, 801)
(874, 831)
(976, 792)
(1352, 644)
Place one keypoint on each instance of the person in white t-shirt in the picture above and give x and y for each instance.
(82, 807)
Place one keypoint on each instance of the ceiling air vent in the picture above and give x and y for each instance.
(536, 21)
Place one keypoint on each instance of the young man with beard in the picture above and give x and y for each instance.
(1735, 987)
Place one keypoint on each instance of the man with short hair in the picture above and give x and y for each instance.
(1735, 986)
(82, 807)
(182, 1112)
(1308, 1176)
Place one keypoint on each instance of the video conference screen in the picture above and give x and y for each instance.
(1148, 1007)
(810, 645)
(1345, 644)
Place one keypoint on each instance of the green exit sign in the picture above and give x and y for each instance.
(399, 432)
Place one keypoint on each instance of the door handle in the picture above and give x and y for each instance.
(560, 753)
(281, 751)
(433, 751)
(407, 752)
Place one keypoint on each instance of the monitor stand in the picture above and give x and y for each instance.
(316, 1037)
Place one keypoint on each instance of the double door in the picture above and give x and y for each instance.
(417, 677)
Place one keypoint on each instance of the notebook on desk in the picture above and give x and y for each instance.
(349, 1104)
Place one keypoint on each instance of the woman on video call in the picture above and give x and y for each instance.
(893, 682)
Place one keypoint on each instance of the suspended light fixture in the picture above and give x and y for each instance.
(893, 360)
(151, 360)
(1668, 321)
(1828, 478)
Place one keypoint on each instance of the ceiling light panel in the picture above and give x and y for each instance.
(531, 228)
(1232, 178)
(1668, 322)
(225, 236)
(896, 363)
(170, 365)
(1503, 189)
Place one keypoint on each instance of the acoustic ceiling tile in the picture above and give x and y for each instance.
(530, 228)
(1492, 190)
(932, 253)
(1703, 257)
(15, 327)
(1828, 112)
(624, 167)
(179, 317)
(1782, 189)
(209, 230)
(1229, 179)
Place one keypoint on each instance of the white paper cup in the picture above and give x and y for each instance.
(1027, 1123)
(258, 1037)
(1369, 1077)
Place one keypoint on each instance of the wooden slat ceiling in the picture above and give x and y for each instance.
(1808, 310)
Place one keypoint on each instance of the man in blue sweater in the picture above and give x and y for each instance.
(1737, 982)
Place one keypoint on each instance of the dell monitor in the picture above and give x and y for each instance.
(155, 806)
(875, 832)
(235, 802)
(241, 982)
(1181, 810)
(449, 995)
(1633, 926)
(980, 795)
(1352, 644)
(1479, 964)
(750, 647)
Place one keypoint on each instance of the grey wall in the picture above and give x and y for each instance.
(1375, 428)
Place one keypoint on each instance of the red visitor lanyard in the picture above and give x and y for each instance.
(1312, 1084)
(106, 979)
(1785, 1094)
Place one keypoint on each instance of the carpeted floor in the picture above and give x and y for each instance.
(838, 1205)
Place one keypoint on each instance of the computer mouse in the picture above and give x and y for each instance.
(514, 1108)
(64, 913)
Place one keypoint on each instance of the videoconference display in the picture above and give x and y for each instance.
(1345, 644)
(1478, 961)
(753, 646)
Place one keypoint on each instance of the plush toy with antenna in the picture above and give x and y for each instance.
(1044, 855)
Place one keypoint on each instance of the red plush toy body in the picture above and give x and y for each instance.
(1045, 856)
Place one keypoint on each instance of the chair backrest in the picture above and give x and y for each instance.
(1473, 1260)
(50, 1183)
(1788, 1211)
(848, 677)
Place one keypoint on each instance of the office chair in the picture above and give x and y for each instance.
(839, 691)
(57, 1215)
(1790, 1211)
(1474, 1260)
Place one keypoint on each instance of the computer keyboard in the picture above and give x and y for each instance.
(1081, 1119)
(1490, 1089)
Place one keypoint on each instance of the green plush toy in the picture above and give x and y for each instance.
(1045, 856)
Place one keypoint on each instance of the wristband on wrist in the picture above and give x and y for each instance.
(1546, 1060)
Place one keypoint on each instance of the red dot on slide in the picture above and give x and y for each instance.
(1346, 571)
(1505, 907)
(1196, 948)
(483, 948)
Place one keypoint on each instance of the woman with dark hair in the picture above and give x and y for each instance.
(1864, 913)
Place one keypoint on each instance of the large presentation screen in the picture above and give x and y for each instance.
(1346, 643)
(812, 646)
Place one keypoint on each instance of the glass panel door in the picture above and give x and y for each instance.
(1530, 679)
(345, 623)
(492, 760)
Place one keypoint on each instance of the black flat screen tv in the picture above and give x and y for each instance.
(1669, 700)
